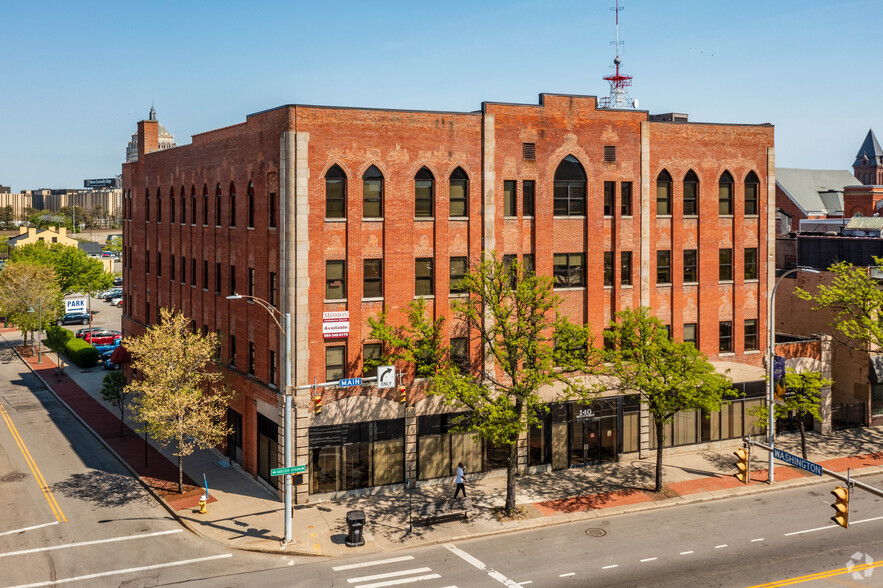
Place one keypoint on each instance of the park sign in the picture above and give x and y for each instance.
(286, 471)
(75, 304)
(798, 462)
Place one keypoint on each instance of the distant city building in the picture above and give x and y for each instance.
(28, 235)
(5, 189)
(166, 140)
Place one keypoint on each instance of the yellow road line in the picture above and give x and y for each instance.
(819, 576)
(50, 498)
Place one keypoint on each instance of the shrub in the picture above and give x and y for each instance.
(81, 353)
(57, 337)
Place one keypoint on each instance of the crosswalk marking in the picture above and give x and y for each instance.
(388, 575)
(372, 563)
(400, 582)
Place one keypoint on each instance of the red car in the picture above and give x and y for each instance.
(102, 337)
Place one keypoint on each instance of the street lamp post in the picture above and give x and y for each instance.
(771, 397)
(286, 391)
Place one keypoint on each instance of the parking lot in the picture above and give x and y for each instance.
(103, 315)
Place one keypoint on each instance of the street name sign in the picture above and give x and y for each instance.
(799, 462)
(286, 471)
(350, 382)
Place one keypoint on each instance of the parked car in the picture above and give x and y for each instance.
(112, 293)
(82, 332)
(116, 300)
(103, 337)
(105, 357)
(118, 281)
(79, 317)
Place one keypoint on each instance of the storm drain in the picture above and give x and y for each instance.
(595, 532)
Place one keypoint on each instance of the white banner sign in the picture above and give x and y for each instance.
(336, 324)
(75, 304)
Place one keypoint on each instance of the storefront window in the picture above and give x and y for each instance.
(357, 455)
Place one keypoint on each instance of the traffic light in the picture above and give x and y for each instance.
(743, 473)
(841, 506)
(317, 404)
(403, 395)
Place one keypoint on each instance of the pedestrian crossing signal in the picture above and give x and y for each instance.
(742, 465)
(841, 506)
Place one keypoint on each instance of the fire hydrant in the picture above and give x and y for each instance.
(202, 503)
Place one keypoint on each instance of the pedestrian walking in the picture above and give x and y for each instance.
(460, 480)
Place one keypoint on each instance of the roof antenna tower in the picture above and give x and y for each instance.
(619, 84)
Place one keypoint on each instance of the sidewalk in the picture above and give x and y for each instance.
(244, 514)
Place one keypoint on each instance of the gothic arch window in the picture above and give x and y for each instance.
(570, 188)
(335, 193)
(424, 190)
(663, 193)
(183, 205)
(725, 194)
(372, 193)
(752, 185)
(204, 205)
(147, 204)
(458, 192)
(172, 205)
(218, 205)
(250, 203)
(691, 194)
(232, 205)
(192, 205)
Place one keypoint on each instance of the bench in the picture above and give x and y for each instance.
(445, 510)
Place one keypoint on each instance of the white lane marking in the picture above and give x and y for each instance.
(648, 559)
(388, 575)
(474, 562)
(126, 571)
(832, 526)
(28, 528)
(400, 582)
(756, 540)
(864, 521)
(525, 582)
(84, 543)
(372, 563)
(686, 552)
(721, 546)
(610, 567)
(565, 575)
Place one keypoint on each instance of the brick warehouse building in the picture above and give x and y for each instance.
(324, 209)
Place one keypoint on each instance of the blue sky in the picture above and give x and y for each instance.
(77, 76)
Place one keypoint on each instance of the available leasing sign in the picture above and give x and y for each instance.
(336, 324)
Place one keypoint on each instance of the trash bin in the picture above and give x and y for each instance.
(355, 521)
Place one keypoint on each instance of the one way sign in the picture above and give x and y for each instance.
(386, 376)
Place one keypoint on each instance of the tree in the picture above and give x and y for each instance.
(25, 286)
(854, 298)
(114, 390)
(802, 397)
(510, 315)
(75, 271)
(418, 342)
(175, 396)
(670, 376)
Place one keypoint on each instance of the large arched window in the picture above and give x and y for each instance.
(158, 205)
(192, 205)
(725, 194)
(663, 193)
(458, 192)
(424, 188)
(570, 188)
(218, 205)
(372, 193)
(204, 205)
(172, 205)
(183, 205)
(751, 188)
(250, 204)
(232, 205)
(335, 193)
(147, 204)
(691, 194)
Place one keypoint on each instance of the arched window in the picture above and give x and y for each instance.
(158, 205)
(204, 205)
(172, 205)
(250, 204)
(147, 204)
(232, 205)
(335, 193)
(691, 194)
(192, 205)
(372, 193)
(424, 188)
(751, 187)
(218, 205)
(458, 192)
(183, 205)
(725, 194)
(663, 193)
(570, 188)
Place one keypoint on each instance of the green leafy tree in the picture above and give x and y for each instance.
(176, 395)
(417, 342)
(670, 376)
(28, 286)
(854, 299)
(75, 271)
(803, 397)
(114, 390)
(511, 315)
(114, 245)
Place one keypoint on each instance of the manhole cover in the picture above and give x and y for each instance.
(595, 532)
(13, 477)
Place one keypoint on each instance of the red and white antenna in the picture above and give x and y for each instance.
(619, 84)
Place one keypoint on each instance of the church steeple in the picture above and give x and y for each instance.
(152, 113)
(868, 165)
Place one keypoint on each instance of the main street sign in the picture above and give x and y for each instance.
(350, 382)
(798, 462)
(286, 471)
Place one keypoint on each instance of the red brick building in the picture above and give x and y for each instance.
(320, 209)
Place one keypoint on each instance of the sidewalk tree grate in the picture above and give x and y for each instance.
(13, 477)
(595, 532)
